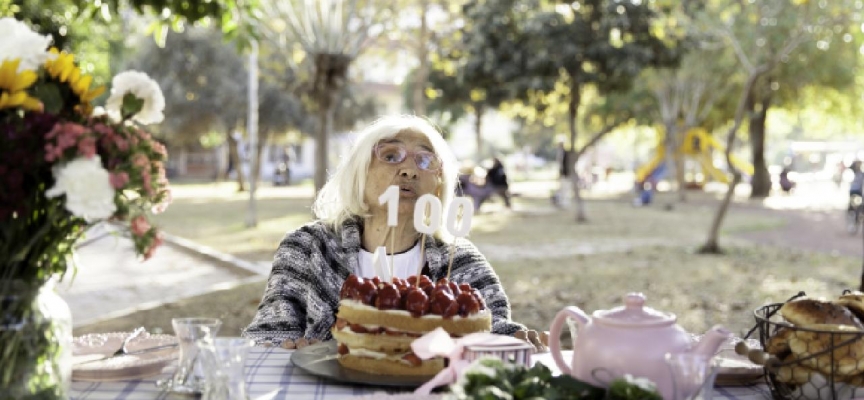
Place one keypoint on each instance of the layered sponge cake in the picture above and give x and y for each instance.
(377, 321)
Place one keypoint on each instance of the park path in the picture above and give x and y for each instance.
(814, 218)
(812, 230)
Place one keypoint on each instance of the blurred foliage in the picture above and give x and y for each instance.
(205, 82)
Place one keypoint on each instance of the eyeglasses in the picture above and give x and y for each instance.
(395, 153)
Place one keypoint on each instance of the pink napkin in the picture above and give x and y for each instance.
(438, 343)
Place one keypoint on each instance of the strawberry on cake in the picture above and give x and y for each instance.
(377, 321)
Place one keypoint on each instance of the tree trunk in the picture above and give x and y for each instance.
(573, 113)
(679, 177)
(674, 163)
(478, 124)
(712, 245)
(234, 159)
(422, 72)
(761, 182)
(331, 71)
(263, 139)
(325, 122)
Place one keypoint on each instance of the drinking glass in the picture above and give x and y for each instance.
(692, 376)
(224, 360)
(188, 378)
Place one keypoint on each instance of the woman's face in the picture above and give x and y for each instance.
(412, 180)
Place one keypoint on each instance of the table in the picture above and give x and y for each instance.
(271, 376)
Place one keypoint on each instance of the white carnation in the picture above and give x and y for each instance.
(142, 87)
(20, 42)
(87, 187)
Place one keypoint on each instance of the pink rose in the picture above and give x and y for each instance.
(163, 205)
(52, 153)
(119, 179)
(158, 148)
(87, 147)
(103, 129)
(157, 241)
(140, 160)
(121, 143)
(139, 225)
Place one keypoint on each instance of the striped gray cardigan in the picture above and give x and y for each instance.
(311, 264)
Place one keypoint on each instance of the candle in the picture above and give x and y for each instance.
(391, 197)
(430, 202)
(379, 261)
(459, 227)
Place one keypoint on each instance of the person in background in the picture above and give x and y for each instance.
(786, 184)
(496, 177)
(470, 187)
(855, 187)
(302, 295)
(565, 168)
(838, 173)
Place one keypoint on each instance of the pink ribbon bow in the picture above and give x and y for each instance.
(438, 343)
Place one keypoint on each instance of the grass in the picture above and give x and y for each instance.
(544, 259)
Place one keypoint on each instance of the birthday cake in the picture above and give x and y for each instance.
(377, 321)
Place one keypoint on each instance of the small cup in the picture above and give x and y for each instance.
(189, 378)
(224, 360)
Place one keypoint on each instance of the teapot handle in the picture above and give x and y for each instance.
(555, 334)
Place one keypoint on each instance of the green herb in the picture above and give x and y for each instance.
(492, 379)
(628, 388)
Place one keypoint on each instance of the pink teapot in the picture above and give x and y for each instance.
(632, 339)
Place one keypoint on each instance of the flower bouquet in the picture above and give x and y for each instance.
(63, 168)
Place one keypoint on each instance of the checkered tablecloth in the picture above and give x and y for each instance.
(270, 375)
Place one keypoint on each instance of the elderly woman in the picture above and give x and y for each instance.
(302, 295)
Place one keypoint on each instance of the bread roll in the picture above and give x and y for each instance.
(854, 303)
(794, 374)
(778, 345)
(830, 354)
(806, 312)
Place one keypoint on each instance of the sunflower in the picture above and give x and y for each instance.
(63, 69)
(13, 87)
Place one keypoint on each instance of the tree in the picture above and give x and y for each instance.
(685, 96)
(836, 58)
(203, 80)
(593, 43)
(331, 34)
(479, 64)
(758, 62)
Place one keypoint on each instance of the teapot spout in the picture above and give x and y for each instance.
(711, 341)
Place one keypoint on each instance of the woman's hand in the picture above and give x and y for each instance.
(540, 341)
(298, 344)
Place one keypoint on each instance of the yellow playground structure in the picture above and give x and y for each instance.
(698, 146)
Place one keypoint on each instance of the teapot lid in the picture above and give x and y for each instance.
(634, 314)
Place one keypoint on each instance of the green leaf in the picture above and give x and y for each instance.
(50, 95)
(131, 105)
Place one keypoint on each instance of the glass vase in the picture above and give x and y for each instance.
(35, 341)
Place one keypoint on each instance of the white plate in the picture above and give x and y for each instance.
(91, 346)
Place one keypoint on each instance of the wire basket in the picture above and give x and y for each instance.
(820, 364)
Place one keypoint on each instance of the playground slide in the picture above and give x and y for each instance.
(650, 169)
(656, 168)
(708, 167)
(745, 167)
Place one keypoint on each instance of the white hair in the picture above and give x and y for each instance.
(342, 197)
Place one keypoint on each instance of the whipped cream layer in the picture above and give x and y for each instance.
(356, 304)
